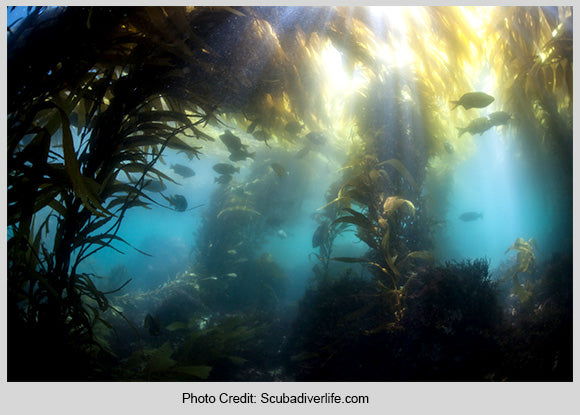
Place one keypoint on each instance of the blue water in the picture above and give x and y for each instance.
(516, 198)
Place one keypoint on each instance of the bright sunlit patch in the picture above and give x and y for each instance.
(477, 17)
(332, 61)
(339, 81)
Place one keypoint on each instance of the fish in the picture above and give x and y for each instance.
(154, 186)
(252, 126)
(152, 325)
(179, 202)
(223, 179)
(278, 169)
(477, 126)
(232, 275)
(499, 117)
(232, 252)
(282, 234)
(262, 135)
(294, 127)
(232, 142)
(225, 168)
(320, 235)
(470, 216)
(473, 100)
(316, 137)
(241, 155)
(303, 152)
(182, 170)
(448, 147)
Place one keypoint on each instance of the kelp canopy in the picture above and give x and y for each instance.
(97, 94)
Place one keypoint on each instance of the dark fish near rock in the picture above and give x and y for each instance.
(499, 118)
(294, 127)
(182, 170)
(477, 126)
(470, 216)
(473, 100)
(152, 325)
(320, 235)
(234, 144)
(225, 168)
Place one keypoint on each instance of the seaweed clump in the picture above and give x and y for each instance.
(444, 331)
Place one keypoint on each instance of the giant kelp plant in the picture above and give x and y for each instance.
(90, 117)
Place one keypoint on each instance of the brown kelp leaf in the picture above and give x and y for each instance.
(350, 260)
(426, 256)
(105, 239)
(392, 203)
(402, 171)
(355, 218)
(385, 247)
(239, 209)
(72, 167)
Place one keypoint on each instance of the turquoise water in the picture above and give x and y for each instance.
(516, 198)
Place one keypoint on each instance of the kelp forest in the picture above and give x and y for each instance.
(317, 158)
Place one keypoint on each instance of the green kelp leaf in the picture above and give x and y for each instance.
(160, 360)
(72, 167)
(400, 167)
(201, 372)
